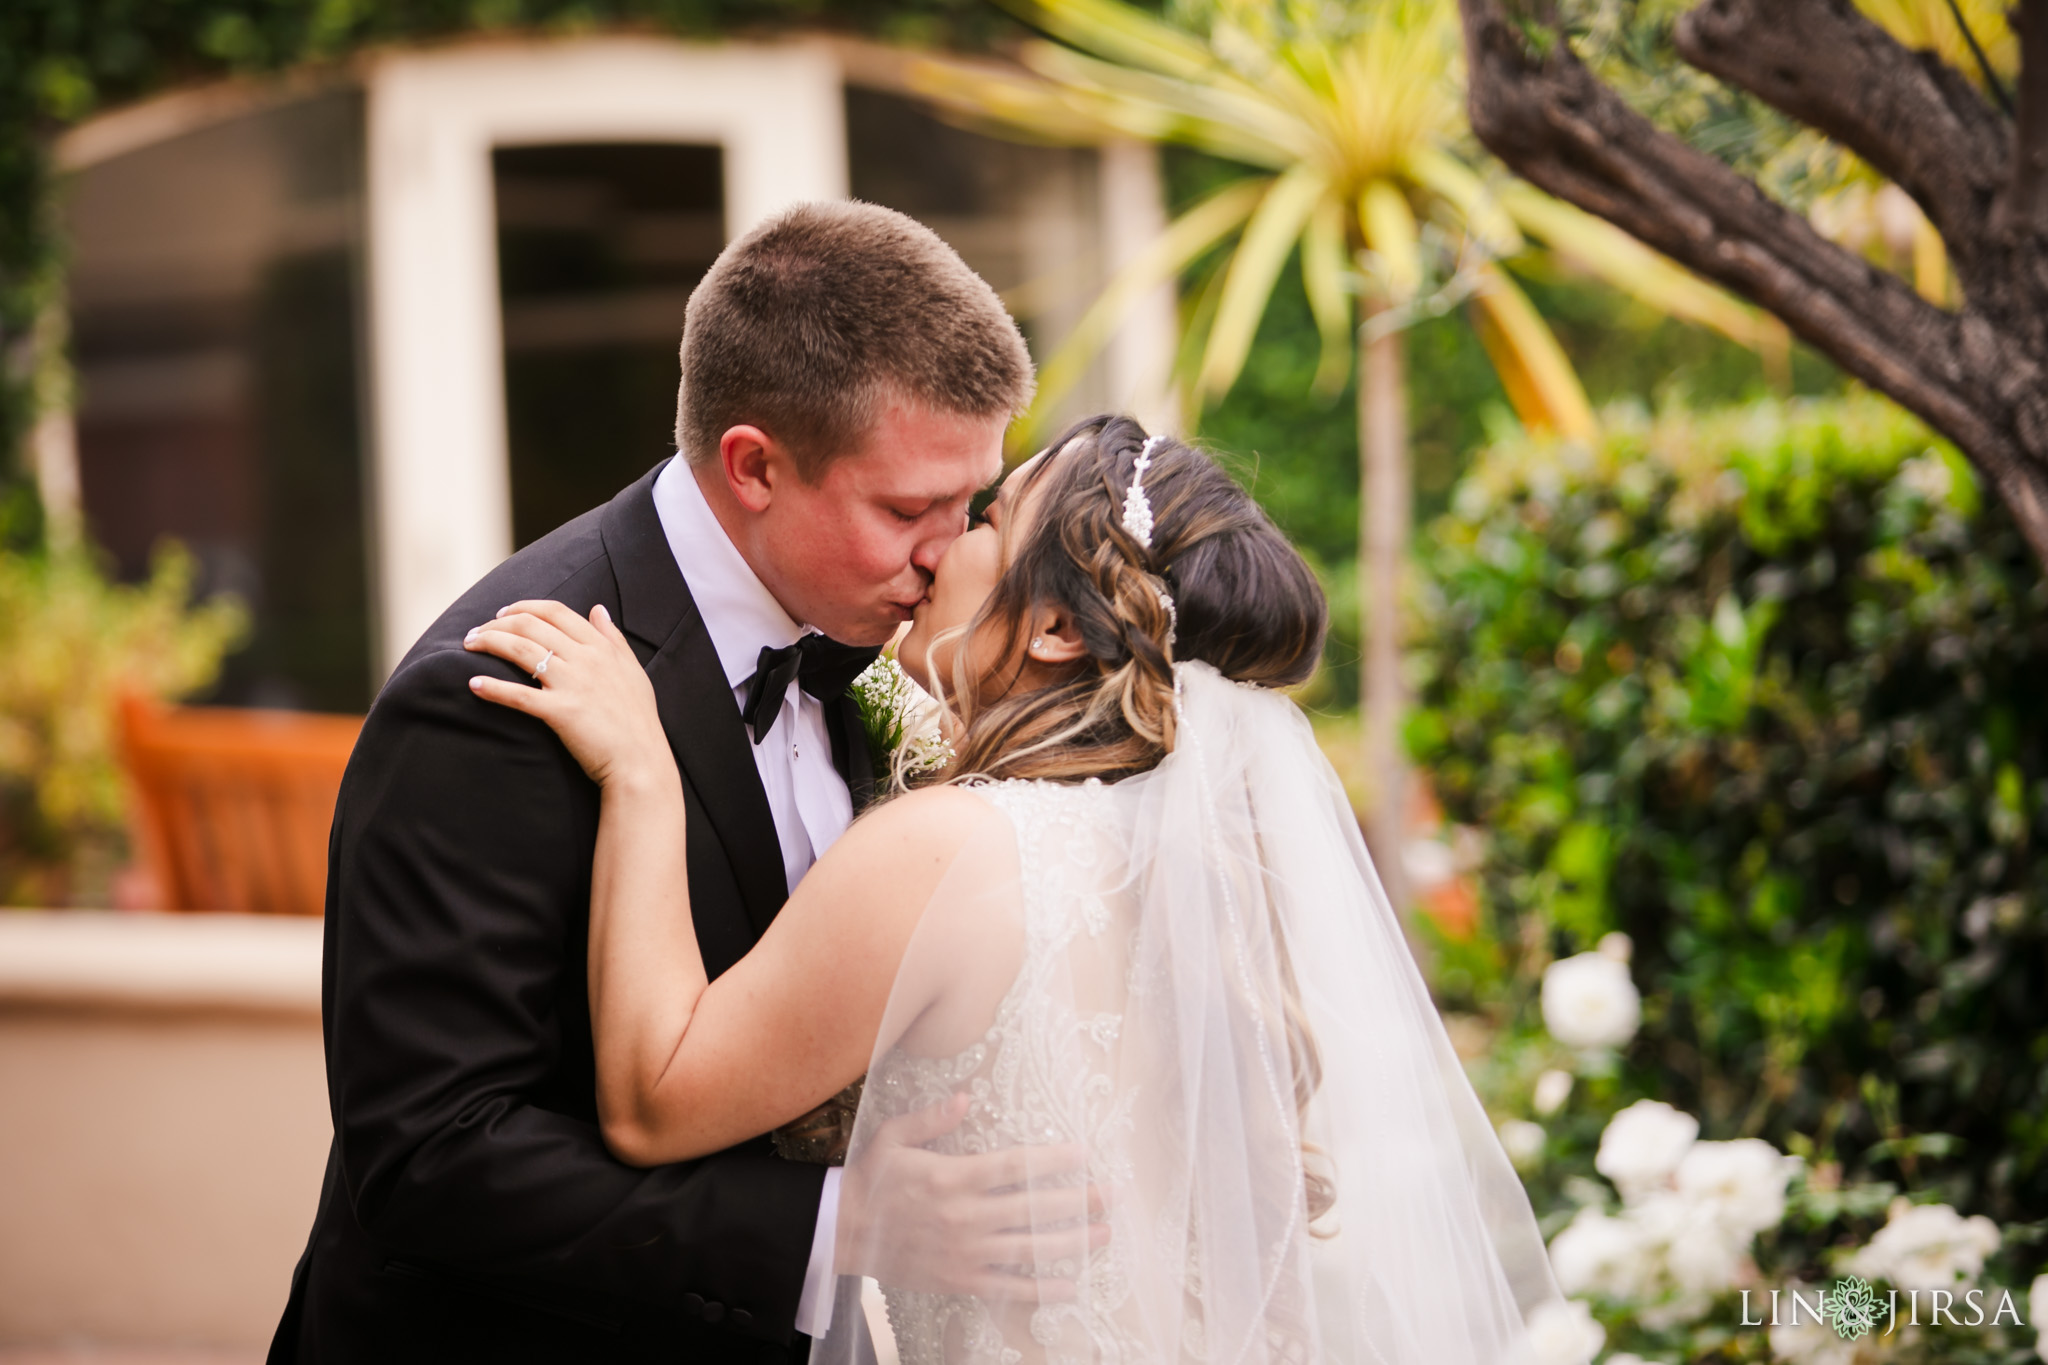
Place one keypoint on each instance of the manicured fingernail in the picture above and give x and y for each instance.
(476, 684)
(503, 610)
(470, 638)
(601, 614)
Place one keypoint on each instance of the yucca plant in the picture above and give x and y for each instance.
(1349, 120)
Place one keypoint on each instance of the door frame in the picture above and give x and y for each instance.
(440, 470)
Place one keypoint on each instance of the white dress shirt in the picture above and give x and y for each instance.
(806, 794)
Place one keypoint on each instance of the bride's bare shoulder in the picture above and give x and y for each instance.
(895, 854)
(936, 821)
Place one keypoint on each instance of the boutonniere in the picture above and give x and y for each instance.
(902, 724)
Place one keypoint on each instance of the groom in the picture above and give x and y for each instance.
(846, 383)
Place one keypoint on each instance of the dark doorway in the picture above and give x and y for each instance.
(599, 246)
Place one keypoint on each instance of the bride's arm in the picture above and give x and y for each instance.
(685, 1066)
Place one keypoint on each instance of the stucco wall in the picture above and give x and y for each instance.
(163, 1124)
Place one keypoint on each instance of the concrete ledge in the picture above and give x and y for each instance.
(78, 958)
(162, 1133)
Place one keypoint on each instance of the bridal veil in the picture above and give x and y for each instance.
(1195, 975)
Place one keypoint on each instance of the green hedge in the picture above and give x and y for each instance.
(1767, 690)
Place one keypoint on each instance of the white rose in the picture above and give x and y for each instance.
(1524, 1141)
(1553, 1088)
(1927, 1246)
(1564, 1334)
(1596, 1254)
(1642, 1146)
(1674, 1311)
(1701, 1254)
(1710, 1263)
(1810, 1342)
(1743, 1181)
(1589, 1001)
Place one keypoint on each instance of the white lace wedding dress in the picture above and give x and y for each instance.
(1194, 976)
(1043, 1073)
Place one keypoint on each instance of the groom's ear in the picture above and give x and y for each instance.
(1054, 640)
(754, 465)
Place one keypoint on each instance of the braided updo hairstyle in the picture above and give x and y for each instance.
(1243, 602)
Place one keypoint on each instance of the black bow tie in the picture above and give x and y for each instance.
(825, 667)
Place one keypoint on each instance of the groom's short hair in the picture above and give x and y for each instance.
(806, 324)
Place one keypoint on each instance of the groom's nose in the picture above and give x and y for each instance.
(927, 553)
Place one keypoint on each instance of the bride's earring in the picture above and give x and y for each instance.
(1037, 644)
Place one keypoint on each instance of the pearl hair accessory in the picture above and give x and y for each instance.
(1138, 521)
(1138, 507)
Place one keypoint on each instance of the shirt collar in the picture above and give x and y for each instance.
(739, 612)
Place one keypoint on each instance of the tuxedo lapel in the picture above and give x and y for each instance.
(696, 703)
(850, 753)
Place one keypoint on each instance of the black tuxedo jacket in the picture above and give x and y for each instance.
(470, 1210)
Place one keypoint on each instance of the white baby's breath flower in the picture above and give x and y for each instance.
(1643, 1145)
(1564, 1334)
(1589, 1001)
(1523, 1141)
(1743, 1181)
(1598, 1254)
(900, 720)
(1927, 1246)
(1553, 1088)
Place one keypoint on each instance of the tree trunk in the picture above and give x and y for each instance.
(1386, 509)
(1978, 375)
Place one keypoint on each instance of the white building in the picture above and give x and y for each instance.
(355, 339)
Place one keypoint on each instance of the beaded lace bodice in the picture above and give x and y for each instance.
(1043, 1073)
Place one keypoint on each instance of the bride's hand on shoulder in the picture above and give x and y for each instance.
(591, 688)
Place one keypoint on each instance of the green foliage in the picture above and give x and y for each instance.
(1762, 689)
(71, 642)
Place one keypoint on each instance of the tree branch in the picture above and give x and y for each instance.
(2025, 209)
(1917, 120)
(1553, 122)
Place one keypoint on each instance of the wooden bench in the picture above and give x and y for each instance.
(232, 807)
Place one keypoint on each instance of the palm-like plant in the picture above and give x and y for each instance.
(1349, 119)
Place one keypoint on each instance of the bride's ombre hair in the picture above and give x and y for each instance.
(1244, 603)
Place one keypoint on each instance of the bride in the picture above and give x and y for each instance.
(1130, 929)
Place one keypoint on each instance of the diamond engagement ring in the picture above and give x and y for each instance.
(542, 666)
